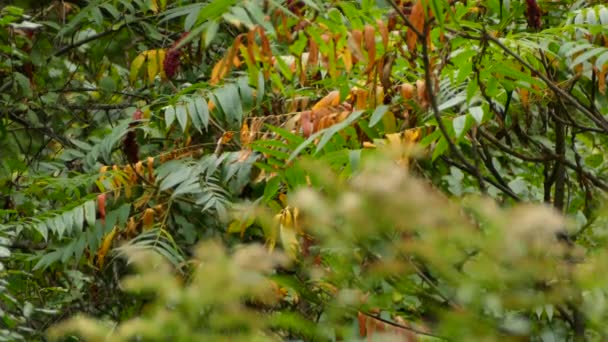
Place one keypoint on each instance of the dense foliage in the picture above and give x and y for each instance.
(303, 169)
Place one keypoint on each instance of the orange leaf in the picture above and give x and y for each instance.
(417, 19)
(601, 85)
(369, 35)
(354, 43)
(265, 45)
(383, 33)
(148, 218)
(313, 54)
(330, 100)
(362, 324)
(250, 47)
(245, 134)
(220, 69)
(407, 91)
(524, 96)
(226, 137)
(101, 207)
(211, 105)
(361, 96)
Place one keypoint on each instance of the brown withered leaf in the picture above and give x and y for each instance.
(306, 123)
(355, 45)
(423, 95)
(601, 80)
(313, 54)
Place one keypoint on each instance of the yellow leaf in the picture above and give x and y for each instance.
(105, 247)
(245, 136)
(347, 59)
(131, 229)
(151, 169)
(136, 65)
(234, 227)
(394, 138)
(154, 6)
(139, 168)
(153, 64)
(289, 235)
(220, 69)
(271, 233)
(296, 222)
(413, 135)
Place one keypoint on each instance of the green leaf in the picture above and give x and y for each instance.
(587, 55)
(190, 20)
(211, 31)
(377, 115)
(169, 115)
(42, 228)
(182, 116)
(454, 101)
(107, 84)
(260, 85)
(202, 110)
(59, 226)
(48, 259)
(330, 131)
(440, 148)
(193, 114)
(22, 84)
(89, 212)
(229, 101)
(175, 178)
(272, 187)
(477, 114)
(78, 217)
(459, 123)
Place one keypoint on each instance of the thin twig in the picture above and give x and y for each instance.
(404, 327)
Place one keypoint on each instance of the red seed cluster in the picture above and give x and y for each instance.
(533, 14)
(171, 62)
(295, 6)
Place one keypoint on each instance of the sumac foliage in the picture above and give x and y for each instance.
(303, 170)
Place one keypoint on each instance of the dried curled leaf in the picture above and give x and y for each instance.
(148, 218)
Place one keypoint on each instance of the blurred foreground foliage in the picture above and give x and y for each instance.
(411, 263)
